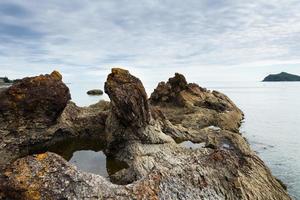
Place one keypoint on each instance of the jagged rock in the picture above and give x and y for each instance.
(158, 168)
(128, 98)
(129, 118)
(38, 99)
(193, 107)
(173, 92)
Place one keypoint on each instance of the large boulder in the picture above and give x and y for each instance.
(38, 99)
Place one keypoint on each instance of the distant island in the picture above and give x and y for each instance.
(6, 81)
(283, 76)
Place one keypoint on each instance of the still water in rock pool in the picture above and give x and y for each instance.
(86, 154)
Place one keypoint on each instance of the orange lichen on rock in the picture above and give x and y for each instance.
(56, 75)
(41, 156)
(148, 189)
(41, 98)
(23, 184)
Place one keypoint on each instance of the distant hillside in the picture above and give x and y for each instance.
(283, 76)
(5, 80)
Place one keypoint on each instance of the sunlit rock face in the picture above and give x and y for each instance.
(39, 99)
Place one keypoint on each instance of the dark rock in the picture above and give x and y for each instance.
(283, 76)
(40, 99)
(128, 98)
(95, 92)
(282, 183)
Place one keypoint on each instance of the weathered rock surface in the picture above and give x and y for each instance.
(37, 111)
(129, 117)
(141, 135)
(128, 98)
(42, 103)
(197, 114)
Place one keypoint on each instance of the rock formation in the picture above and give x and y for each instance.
(42, 103)
(128, 98)
(129, 117)
(142, 133)
(37, 111)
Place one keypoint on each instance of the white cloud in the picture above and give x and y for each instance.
(80, 35)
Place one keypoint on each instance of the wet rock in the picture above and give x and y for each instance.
(95, 92)
(39, 99)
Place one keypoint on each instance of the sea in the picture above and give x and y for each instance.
(271, 124)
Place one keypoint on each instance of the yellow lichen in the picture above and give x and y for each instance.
(56, 75)
(41, 156)
(32, 195)
(19, 97)
(117, 70)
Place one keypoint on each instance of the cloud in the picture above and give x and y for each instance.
(172, 34)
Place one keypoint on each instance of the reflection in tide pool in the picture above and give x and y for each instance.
(90, 161)
(191, 145)
(86, 154)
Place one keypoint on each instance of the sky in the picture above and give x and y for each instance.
(206, 40)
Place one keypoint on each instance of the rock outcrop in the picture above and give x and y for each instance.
(39, 99)
(129, 117)
(37, 111)
(128, 98)
(142, 133)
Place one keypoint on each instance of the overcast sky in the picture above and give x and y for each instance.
(205, 39)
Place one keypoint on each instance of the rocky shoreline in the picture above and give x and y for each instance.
(144, 133)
